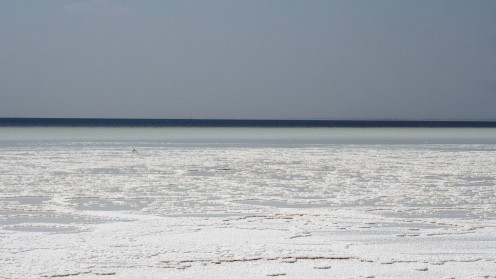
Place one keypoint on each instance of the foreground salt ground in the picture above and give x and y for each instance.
(98, 210)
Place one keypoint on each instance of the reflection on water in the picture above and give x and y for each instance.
(110, 205)
(281, 204)
(31, 228)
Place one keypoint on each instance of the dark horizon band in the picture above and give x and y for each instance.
(133, 122)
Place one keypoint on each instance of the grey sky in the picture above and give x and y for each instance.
(256, 59)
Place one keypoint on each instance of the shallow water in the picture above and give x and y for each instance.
(179, 135)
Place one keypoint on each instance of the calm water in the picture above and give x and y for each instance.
(254, 135)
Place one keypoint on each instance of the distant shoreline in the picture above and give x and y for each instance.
(122, 122)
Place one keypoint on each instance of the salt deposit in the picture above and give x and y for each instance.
(96, 209)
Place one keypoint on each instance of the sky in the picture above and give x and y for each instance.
(249, 59)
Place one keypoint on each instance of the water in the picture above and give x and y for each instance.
(251, 135)
(75, 172)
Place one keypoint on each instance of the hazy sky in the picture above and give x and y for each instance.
(256, 59)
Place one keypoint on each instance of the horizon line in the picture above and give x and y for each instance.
(212, 122)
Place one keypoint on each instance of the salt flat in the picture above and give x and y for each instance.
(95, 209)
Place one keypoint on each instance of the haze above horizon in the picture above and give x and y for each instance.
(324, 60)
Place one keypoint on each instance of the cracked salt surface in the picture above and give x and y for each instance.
(95, 209)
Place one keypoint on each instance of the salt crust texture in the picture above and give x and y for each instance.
(99, 210)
